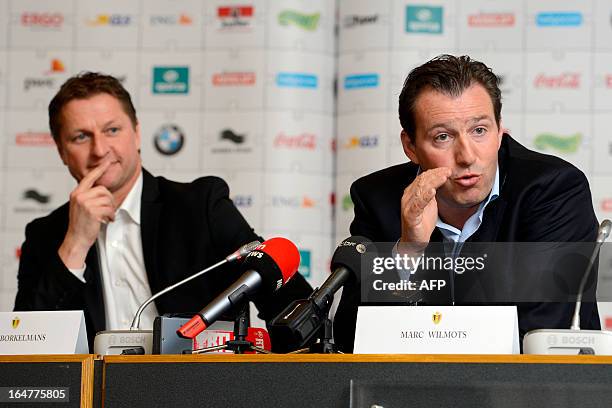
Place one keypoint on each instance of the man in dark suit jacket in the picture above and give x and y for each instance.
(183, 227)
(468, 182)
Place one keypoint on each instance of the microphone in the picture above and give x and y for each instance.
(295, 326)
(237, 255)
(268, 268)
(561, 341)
(114, 341)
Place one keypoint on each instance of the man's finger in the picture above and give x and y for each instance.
(88, 181)
(435, 177)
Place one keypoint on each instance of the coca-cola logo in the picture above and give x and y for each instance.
(566, 80)
(302, 141)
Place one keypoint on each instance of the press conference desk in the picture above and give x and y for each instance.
(297, 381)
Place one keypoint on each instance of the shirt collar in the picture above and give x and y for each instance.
(492, 196)
(131, 204)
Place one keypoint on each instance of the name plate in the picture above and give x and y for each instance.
(53, 332)
(437, 330)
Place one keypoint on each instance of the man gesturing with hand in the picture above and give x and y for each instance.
(468, 181)
(125, 234)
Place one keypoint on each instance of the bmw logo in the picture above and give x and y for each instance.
(169, 139)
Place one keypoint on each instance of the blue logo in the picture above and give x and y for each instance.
(559, 19)
(296, 80)
(424, 19)
(357, 81)
(304, 269)
(169, 139)
(243, 201)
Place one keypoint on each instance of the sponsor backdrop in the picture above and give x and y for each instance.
(246, 90)
(239, 89)
(554, 60)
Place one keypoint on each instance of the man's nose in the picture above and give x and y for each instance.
(99, 146)
(465, 151)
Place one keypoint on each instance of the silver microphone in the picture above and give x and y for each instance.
(238, 254)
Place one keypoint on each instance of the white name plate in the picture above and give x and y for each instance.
(53, 332)
(436, 330)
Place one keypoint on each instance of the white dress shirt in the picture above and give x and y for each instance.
(125, 284)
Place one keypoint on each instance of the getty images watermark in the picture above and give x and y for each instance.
(407, 265)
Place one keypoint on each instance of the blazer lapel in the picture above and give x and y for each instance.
(150, 211)
(94, 298)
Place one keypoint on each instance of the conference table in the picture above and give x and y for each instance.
(312, 380)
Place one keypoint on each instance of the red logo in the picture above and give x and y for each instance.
(608, 323)
(46, 20)
(234, 79)
(303, 141)
(34, 139)
(235, 11)
(18, 252)
(606, 204)
(608, 80)
(567, 80)
(491, 20)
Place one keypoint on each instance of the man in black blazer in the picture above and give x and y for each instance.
(468, 182)
(180, 228)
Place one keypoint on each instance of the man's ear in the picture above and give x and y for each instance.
(60, 149)
(409, 147)
(500, 135)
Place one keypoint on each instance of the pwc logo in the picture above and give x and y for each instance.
(110, 20)
(491, 20)
(302, 141)
(42, 20)
(565, 80)
(238, 78)
(48, 81)
(235, 17)
(366, 141)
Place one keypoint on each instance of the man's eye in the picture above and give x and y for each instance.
(480, 131)
(81, 137)
(442, 137)
(113, 130)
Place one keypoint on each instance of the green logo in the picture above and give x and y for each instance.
(347, 203)
(308, 22)
(170, 80)
(304, 268)
(424, 19)
(563, 144)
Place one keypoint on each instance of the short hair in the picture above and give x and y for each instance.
(83, 86)
(449, 75)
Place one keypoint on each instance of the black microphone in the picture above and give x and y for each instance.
(268, 268)
(296, 326)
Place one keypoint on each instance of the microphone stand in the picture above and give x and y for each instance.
(240, 344)
(326, 344)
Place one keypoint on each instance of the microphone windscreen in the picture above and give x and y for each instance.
(276, 260)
